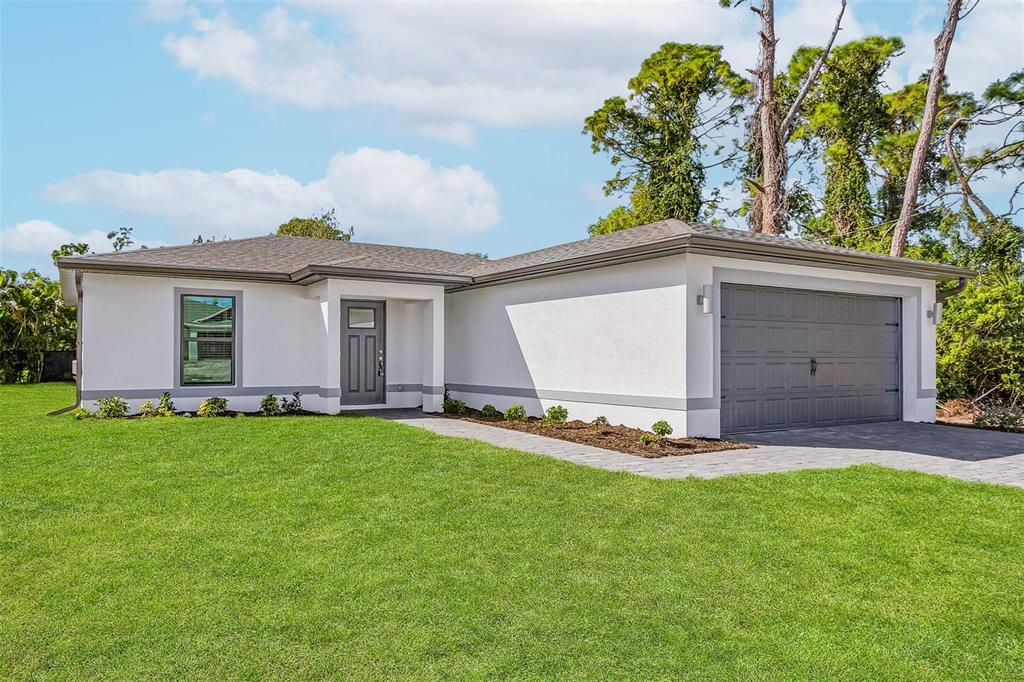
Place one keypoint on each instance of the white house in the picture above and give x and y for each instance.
(714, 330)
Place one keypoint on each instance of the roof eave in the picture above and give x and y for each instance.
(729, 248)
(315, 273)
(90, 265)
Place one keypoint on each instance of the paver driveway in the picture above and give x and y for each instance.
(965, 453)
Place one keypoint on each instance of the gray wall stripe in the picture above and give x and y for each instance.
(237, 391)
(656, 402)
(926, 393)
(201, 392)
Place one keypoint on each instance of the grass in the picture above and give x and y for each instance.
(358, 548)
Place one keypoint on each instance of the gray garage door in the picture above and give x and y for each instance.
(795, 359)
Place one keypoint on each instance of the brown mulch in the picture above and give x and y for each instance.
(619, 438)
(957, 412)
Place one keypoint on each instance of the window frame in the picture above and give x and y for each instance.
(236, 337)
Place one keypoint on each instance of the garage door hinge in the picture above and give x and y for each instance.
(892, 390)
(892, 324)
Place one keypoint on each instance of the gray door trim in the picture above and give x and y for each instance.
(381, 329)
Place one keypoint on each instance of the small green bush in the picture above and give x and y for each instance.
(269, 406)
(292, 406)
(556, 414)
(114, 407)
(82, 413)
(600, 421)
(648, 438)
(147, 409)
(166, 407)
(661, 428)
(1003, 417)
(452, 406)
(489, 410)
(515, 413)
(212, 407)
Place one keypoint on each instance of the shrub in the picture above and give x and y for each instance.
(166, 407)
(661, 428)
(452, 406)
(212, 407)
(292, 406)
(515, 413)
(600, 421)
(1004, 417)
(269, 406)
(114, 407)
(489, 410)
(147, 409)
(82, 413)
(648, 438)
(556, 414)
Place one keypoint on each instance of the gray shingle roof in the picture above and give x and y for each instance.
(298, 258)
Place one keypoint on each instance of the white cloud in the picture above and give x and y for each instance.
(385, 194)
(39, 238)
(449, 67)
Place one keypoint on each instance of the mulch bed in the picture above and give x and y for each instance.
(619, 438)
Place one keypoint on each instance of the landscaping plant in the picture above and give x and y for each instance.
(556, 414)
(489, 411)
(648, 438)
(661, 428)
(212, 407)
(147, 409)
(515, 413)
(269, 406)
(600, 420)
(292, 405)
(453, 406)
(166, 407)
(113, 407)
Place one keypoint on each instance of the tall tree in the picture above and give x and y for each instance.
(943, 43)
(323, 226)
(772, 130)
(659, 137)
(842, 117)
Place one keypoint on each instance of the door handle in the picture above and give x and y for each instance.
(380, 364)
(814, 366)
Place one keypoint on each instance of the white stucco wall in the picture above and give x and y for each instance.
(600, 342)
(289, 338)
(630, 342)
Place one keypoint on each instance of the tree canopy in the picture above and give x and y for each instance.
(323, 226)
(659, 138)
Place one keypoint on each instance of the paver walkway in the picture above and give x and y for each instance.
(968, 454)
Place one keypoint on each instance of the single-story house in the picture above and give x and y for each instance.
(714, 330)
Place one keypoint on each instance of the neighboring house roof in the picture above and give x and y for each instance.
(302, 260)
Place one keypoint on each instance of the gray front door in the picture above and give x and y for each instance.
(793, 358)
(362, 352)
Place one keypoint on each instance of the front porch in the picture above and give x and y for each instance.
(382, 345)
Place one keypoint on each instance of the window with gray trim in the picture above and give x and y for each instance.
(207, 338)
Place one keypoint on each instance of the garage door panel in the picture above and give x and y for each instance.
(770, 335)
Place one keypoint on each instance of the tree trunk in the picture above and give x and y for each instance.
(943, 43)
(773, 162)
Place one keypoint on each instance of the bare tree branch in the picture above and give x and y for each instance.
(961, 177)
(812, 76)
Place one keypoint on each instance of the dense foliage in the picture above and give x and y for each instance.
(33, 320)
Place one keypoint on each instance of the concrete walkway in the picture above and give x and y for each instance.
(968, 454)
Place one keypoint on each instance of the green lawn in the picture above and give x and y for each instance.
(357, 548)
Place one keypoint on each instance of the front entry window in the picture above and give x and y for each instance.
(361, 318)
(207, 339)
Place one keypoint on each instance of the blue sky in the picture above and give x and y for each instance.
(447, 125)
